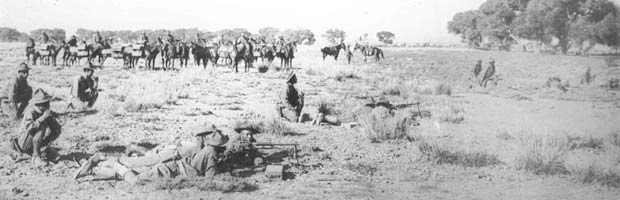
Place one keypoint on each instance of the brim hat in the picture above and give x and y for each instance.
(292, 78)
(204, 129)
(89, 67)
(23, 67)
(40, 97)
(216, 139)
(243, 125)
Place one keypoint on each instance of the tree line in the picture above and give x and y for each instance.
(268, 34)
(559, 24)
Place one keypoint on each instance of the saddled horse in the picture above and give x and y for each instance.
(174, 51)
(183, 53)
(226, 52)
(286, 53)
(203, 54)
(48, 54)
(332, 51)
(146, 52)
(82, 51)
(96, 51)
(268, 52)
(370, 51)
(244, 51)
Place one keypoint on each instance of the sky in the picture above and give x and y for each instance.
(410, 20)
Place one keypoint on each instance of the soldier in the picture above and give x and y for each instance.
(292, 101)
(349, 54)
(280, 43)
(85, 88)
(477, 68)
(38, 129)
(97, 38)
(170, 38)
(488, 73)
(31, 44)
(198, 159)
(145, 39)
(73, 41)
(44, 38)
(18, 93)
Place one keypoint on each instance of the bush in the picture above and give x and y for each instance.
(443, 89)
(143, 94)
(326, 107)
(587, 167)
(438, 154)
(341, 76)
(542, 153)
(380, 125)
(275, 126)
(452, 114)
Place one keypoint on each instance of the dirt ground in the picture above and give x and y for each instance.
(520, 103)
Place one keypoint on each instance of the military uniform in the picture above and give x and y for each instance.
(18, 93)
(38, 128)
(488, 73)
(292, 102)
(73, 42)
(45, 38)
(199, 160)
(85, 89)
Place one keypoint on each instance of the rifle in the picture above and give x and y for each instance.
(266, 145)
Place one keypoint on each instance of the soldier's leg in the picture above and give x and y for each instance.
(37, 141)
(93, 99)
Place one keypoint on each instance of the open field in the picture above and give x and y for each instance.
(517, 139)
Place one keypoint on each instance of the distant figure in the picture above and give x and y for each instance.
(488, 73)
(18, 93)
(97, 38)
(170, 38)
(38, 130)
(292, 101)
(145, 39)
(349, 54)
(478, 68)
(85, 89)
(73, 41)
(44, 38)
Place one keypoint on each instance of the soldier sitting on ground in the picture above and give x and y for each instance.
(38, 130)
(18, 93)
(477, 68)
(85, 89)
(292, 101)
(199, 159)
(488, 73)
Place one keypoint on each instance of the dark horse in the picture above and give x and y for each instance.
(370, 51)
(174, 51)
(243, 52)
(267, 51)
(203, 54)
(96, 51)
(286, 53)
(332, 51)
(148, 53)
(48, 55)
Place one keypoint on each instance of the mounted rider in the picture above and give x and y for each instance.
(73, 41)
(98, 39)
(145, 39)
(280, 43)
(170, 38)
(31, 44)
(44, 38)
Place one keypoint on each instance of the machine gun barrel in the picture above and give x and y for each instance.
(267, 145)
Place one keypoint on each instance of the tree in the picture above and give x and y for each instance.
(299, 36)
(55, 34)
(10, 35)
(334, 35)
(386, 37)
(465, 24)
(268, 34)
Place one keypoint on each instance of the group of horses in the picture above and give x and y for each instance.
(366, 50)
(230, 53)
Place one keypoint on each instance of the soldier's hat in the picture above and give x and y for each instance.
(292, 78)
(89, 67)
(243, 125)
(23, 67)
(40, 97)
(216, 139)
(205, 129)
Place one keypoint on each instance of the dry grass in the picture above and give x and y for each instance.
(382, 126)
(275, 126)
(341, 76)
(588, 167)
(439, 154)
(326, 107)
(542, 153)
(147, 94)
(366, 169)
(443, 89)
(451, 114)
(204, 184)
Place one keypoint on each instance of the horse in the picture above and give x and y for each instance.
(96, 51)
(286, 53)
(183, 54)
(243, 51)
(370, 51)
(172, 52)
(148, 53)
(332, 51)
(202, 54)
(267, 51)
(77, 56)
(48, 56)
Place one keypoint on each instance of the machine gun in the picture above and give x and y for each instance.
(246, 151)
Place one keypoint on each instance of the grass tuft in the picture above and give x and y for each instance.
(438, 154)
(275, 126)
(380, 126)
(366, 169)
(542, 153)
(588, 167)
(443, 89)
(341, 76)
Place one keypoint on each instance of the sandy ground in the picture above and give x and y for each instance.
(518, 104)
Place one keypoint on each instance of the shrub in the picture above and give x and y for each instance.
(326, 107)
(263, 68)
(614, 139)
(382, 126)
(341, 76)
(438, 154)
(587, 167)
(443, 89)
(452, 114)
(275, 126)
(588, 142)
(542, 153)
